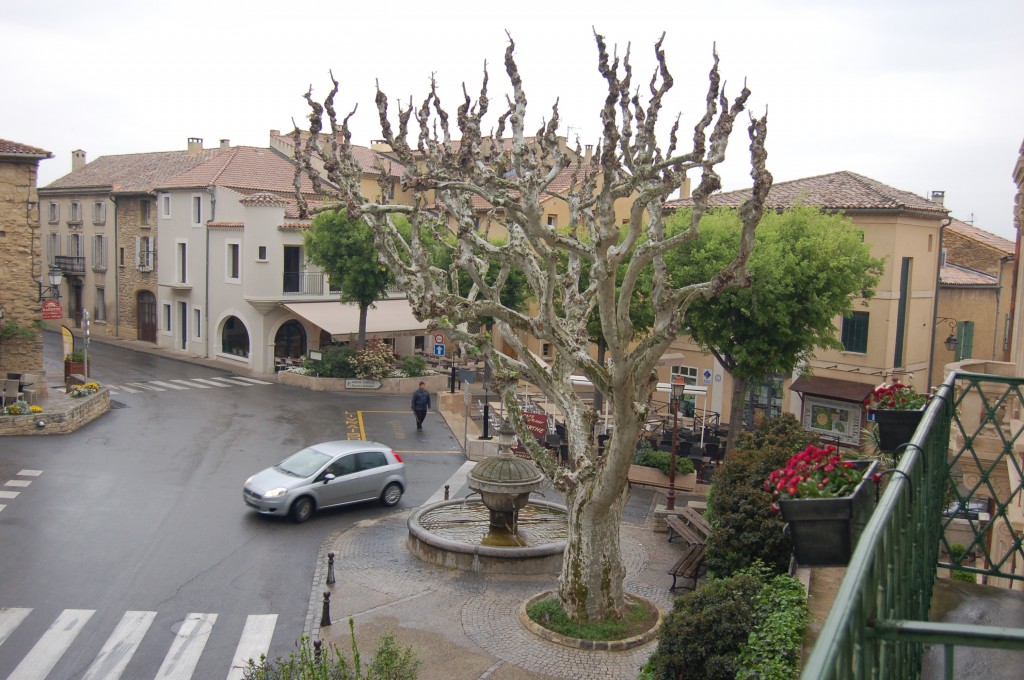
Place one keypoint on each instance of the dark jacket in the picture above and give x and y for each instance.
(421, 400)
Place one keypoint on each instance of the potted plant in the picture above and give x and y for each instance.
(74, 364)
(897, 410)
(826, 502)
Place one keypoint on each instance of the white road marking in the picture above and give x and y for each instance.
(145, 386)
(211, 383)
(9, 494)
(11, 618)
(233, 381)
(252, 380)
(167, 385)
(454, 483)
(181, 659)
(17, 482)
(120, 646)
(255, 641)
(30, 473)
(192, 383)
(122, 388)
(52, 645)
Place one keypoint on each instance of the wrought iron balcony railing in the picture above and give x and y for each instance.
(967, 448)
(69, 264)
(306, 283)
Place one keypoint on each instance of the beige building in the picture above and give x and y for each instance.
(21, 343)
(100, 230)
(888, 337)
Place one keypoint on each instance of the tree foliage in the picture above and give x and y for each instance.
(806, 269)
(511, 181)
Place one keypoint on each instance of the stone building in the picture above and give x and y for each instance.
(21, 343)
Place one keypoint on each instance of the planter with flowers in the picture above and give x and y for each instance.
(897, 411)
(826, 502)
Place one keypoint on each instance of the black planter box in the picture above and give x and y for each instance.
(896, 428)
(825, 531)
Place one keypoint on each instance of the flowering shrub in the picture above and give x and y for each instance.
(374, 362)
(84, 389)
(813, 473)
(895, 397)
(21, 408)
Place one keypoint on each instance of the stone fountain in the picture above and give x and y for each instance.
(502, 532)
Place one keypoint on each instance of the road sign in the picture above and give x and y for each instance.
(438, 349)
(52, 310)
(706, 377)
(438, 338)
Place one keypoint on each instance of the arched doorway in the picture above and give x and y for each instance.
(235, 337)
(290, 341)
(145, 315)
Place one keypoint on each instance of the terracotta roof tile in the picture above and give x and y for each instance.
(226, 225)
(843, 190)
(263, 199)
(133, 173)
(243, 168)
(9, 148)
(371, 162)
(972, 232)
(954, 275)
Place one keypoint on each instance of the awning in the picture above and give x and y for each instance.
(843, 390)
(385, 317)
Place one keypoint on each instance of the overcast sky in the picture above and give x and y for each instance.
(921, 95)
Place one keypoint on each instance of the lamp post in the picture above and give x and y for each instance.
(54, 278)
(678, 387)
(951, 341)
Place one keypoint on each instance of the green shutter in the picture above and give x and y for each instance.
(965, 340)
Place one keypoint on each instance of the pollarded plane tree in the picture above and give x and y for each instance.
(570, 270)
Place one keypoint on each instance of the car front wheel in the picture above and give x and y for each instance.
(302, 510)
(392, 494)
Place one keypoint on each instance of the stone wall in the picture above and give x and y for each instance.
(19, 262)
(61, 415)
(970, 253)
(130, 279)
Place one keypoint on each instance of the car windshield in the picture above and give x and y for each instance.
(303, 464)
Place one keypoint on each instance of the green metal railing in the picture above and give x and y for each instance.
(878, 624)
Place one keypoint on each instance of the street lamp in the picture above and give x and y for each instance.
(53, 290)
(678, 388)
(950, 342)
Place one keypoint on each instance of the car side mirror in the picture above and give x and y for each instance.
(328, 477)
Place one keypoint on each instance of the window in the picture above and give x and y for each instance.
(76, 213)
(165, 202)
(53, 247)
(75, 245)
(552, 220)
(99, 253)
(232, 269)
(145, 213)
(689, 374)
(965, 341)
(120, 256)
(53, 214)
(419, 343)
(167, 317)
(197, 211)
(854, 334)
(182, 263)
(235, 338)
(99, 212)
(144, 253)
(545, 350)
(100, 312)
(196, 325)
(261, 254)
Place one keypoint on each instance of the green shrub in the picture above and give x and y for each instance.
(414, 366)
(957, 553)
(389, 662)
(374, 361)
(744, 527)
(337, 362)
(649, 457)
(772, 651)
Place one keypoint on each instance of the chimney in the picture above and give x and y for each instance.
(225, 144)
(684, 188)
(588, 153)
(938, 197)
(275, 133)
(195, 144)
(77, 160)
(380, 145)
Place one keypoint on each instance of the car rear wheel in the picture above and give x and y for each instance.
(302, 510)
(392, 494)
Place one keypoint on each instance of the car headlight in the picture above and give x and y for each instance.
(274, 493)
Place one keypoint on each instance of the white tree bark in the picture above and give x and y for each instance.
(628, 165)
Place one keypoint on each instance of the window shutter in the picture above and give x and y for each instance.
(965, 340)
(138, 251)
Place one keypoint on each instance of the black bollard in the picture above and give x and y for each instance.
(487, 419)
(317, 652)
(330, 568)
(446, 492)
(325, 617)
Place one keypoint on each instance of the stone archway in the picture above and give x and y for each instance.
(290, 341)
(234, 337)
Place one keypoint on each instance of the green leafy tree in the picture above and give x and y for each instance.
(806, 268)
(344, 249)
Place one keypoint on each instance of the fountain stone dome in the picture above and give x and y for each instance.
(505, 483)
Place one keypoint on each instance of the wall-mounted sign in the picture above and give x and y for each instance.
(52, 310)
(360, 384)
(838, 419)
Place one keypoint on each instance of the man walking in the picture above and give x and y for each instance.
(420, 404)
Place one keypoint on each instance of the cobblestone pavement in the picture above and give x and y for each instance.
(464, 625)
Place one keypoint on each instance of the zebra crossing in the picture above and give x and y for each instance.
(6, 493)
(184, 651)
(172, 385)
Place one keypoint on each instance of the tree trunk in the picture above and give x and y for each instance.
(591, 583)
(361, 341)
(739, 398)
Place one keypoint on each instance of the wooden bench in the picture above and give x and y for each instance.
(695, 520)
(679, 528)
(688, 566)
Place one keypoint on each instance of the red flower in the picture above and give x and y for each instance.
(813, 473)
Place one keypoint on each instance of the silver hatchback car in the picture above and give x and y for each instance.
(325, 475)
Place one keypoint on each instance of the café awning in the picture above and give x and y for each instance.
(385, 317)
(832, 388)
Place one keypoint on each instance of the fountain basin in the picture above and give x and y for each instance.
(539, 552)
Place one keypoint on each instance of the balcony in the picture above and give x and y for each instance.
(964, 458)
(70, 264)
(305, 283)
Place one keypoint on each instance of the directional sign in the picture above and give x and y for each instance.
(438, 350)
(706, 376)
(52, 310)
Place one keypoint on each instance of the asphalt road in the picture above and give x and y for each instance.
(141, 510)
